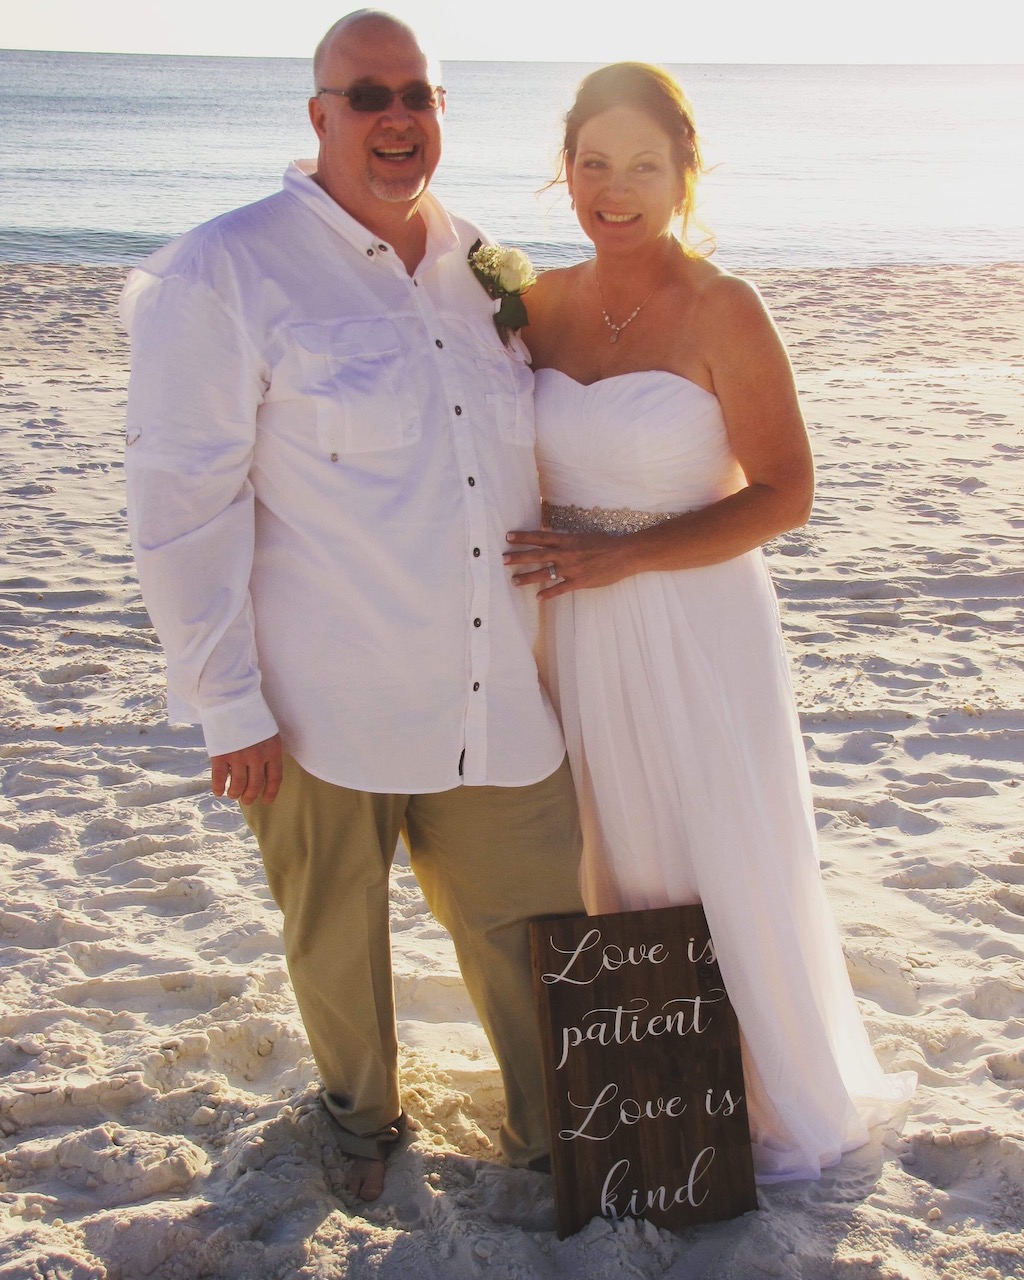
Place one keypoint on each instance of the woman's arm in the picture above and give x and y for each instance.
(542, 307)
(753, 381)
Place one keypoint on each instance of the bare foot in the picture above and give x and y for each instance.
(365, 1177)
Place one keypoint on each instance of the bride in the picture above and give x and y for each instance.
(671, 447)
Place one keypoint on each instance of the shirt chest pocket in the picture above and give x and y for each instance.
(508, 382)
(357, 377)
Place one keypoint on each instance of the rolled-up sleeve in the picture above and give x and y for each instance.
(195, 388)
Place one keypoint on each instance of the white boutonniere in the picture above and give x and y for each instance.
(505, 274)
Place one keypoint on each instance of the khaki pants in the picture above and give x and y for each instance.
(488, 860)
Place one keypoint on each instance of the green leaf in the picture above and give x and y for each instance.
(512, 311)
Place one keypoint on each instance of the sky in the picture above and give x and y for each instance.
(665, 31)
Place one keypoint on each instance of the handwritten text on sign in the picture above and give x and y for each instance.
(645, 1083)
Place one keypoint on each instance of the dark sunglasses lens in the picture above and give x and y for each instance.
(419, 98)
(370, 97)
(377, 97)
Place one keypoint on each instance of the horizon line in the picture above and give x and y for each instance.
(581, 62)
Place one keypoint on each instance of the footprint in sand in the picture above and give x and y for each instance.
(62, 789)
(94, 958)
(501, 1195)
(961, 619)
(150, 793)
(1011, 898)
(164, 998)
(179, 896)
(65, 1102)
(952, 1159)
(73, 672)
(997, 913)
(106, 828)
(877, 975)
(878, 813)
(941, 788)
(31, 490)
(1007, 1068)
(922, 874)
(35, 776)
(116, 775)
(433, 996)
(864, 746)
(116, 853)
(1006, 873)
(873, 618)
(36, 835)
(257, 1053)
(946, 557)
(38, 928)
(104, 1166)
(997, 999)
(246, 943)
(977, 745)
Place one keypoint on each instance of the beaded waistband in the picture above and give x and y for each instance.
(573, 519)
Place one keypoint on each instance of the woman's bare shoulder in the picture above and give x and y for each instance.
(553, 284)
(721, 291)
(548, 302)
(728, 306)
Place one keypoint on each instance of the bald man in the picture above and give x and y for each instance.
(326, 444)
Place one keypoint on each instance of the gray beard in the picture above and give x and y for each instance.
(397, 190)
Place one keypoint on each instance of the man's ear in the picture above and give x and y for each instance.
(316, 116)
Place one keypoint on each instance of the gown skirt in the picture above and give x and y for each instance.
(682, 732)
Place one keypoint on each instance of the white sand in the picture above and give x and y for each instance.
(156, 1093)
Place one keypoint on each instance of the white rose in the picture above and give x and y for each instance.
(514, 271)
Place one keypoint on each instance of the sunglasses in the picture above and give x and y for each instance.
(378, 97)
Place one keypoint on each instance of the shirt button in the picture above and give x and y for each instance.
(438, 343)
(476, 551)
(476, 686)
(477, 622)
(458, 411)
(369, 253)
(471, 482)
(383, 248)
(334, 457)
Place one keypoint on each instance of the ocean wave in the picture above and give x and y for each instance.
(85, 245)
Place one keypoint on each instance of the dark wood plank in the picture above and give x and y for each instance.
(644, 1079)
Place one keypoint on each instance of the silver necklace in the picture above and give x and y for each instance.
(618, 328)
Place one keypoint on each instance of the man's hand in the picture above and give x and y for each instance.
(247, 774)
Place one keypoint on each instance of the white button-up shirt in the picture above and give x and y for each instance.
(324, 454)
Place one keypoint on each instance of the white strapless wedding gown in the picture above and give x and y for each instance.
(674, 694)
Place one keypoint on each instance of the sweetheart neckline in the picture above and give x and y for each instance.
(633, 373)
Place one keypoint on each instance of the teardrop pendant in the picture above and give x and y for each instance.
(618, 328)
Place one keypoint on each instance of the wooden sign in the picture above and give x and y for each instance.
(644, 1079)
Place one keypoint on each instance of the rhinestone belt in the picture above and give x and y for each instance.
(573, 519)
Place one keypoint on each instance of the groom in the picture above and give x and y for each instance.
(326, 443)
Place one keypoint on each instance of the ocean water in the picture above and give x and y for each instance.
(104, 157)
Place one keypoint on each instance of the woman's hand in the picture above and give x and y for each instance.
(569, 561)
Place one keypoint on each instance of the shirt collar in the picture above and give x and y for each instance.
(442, 238)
